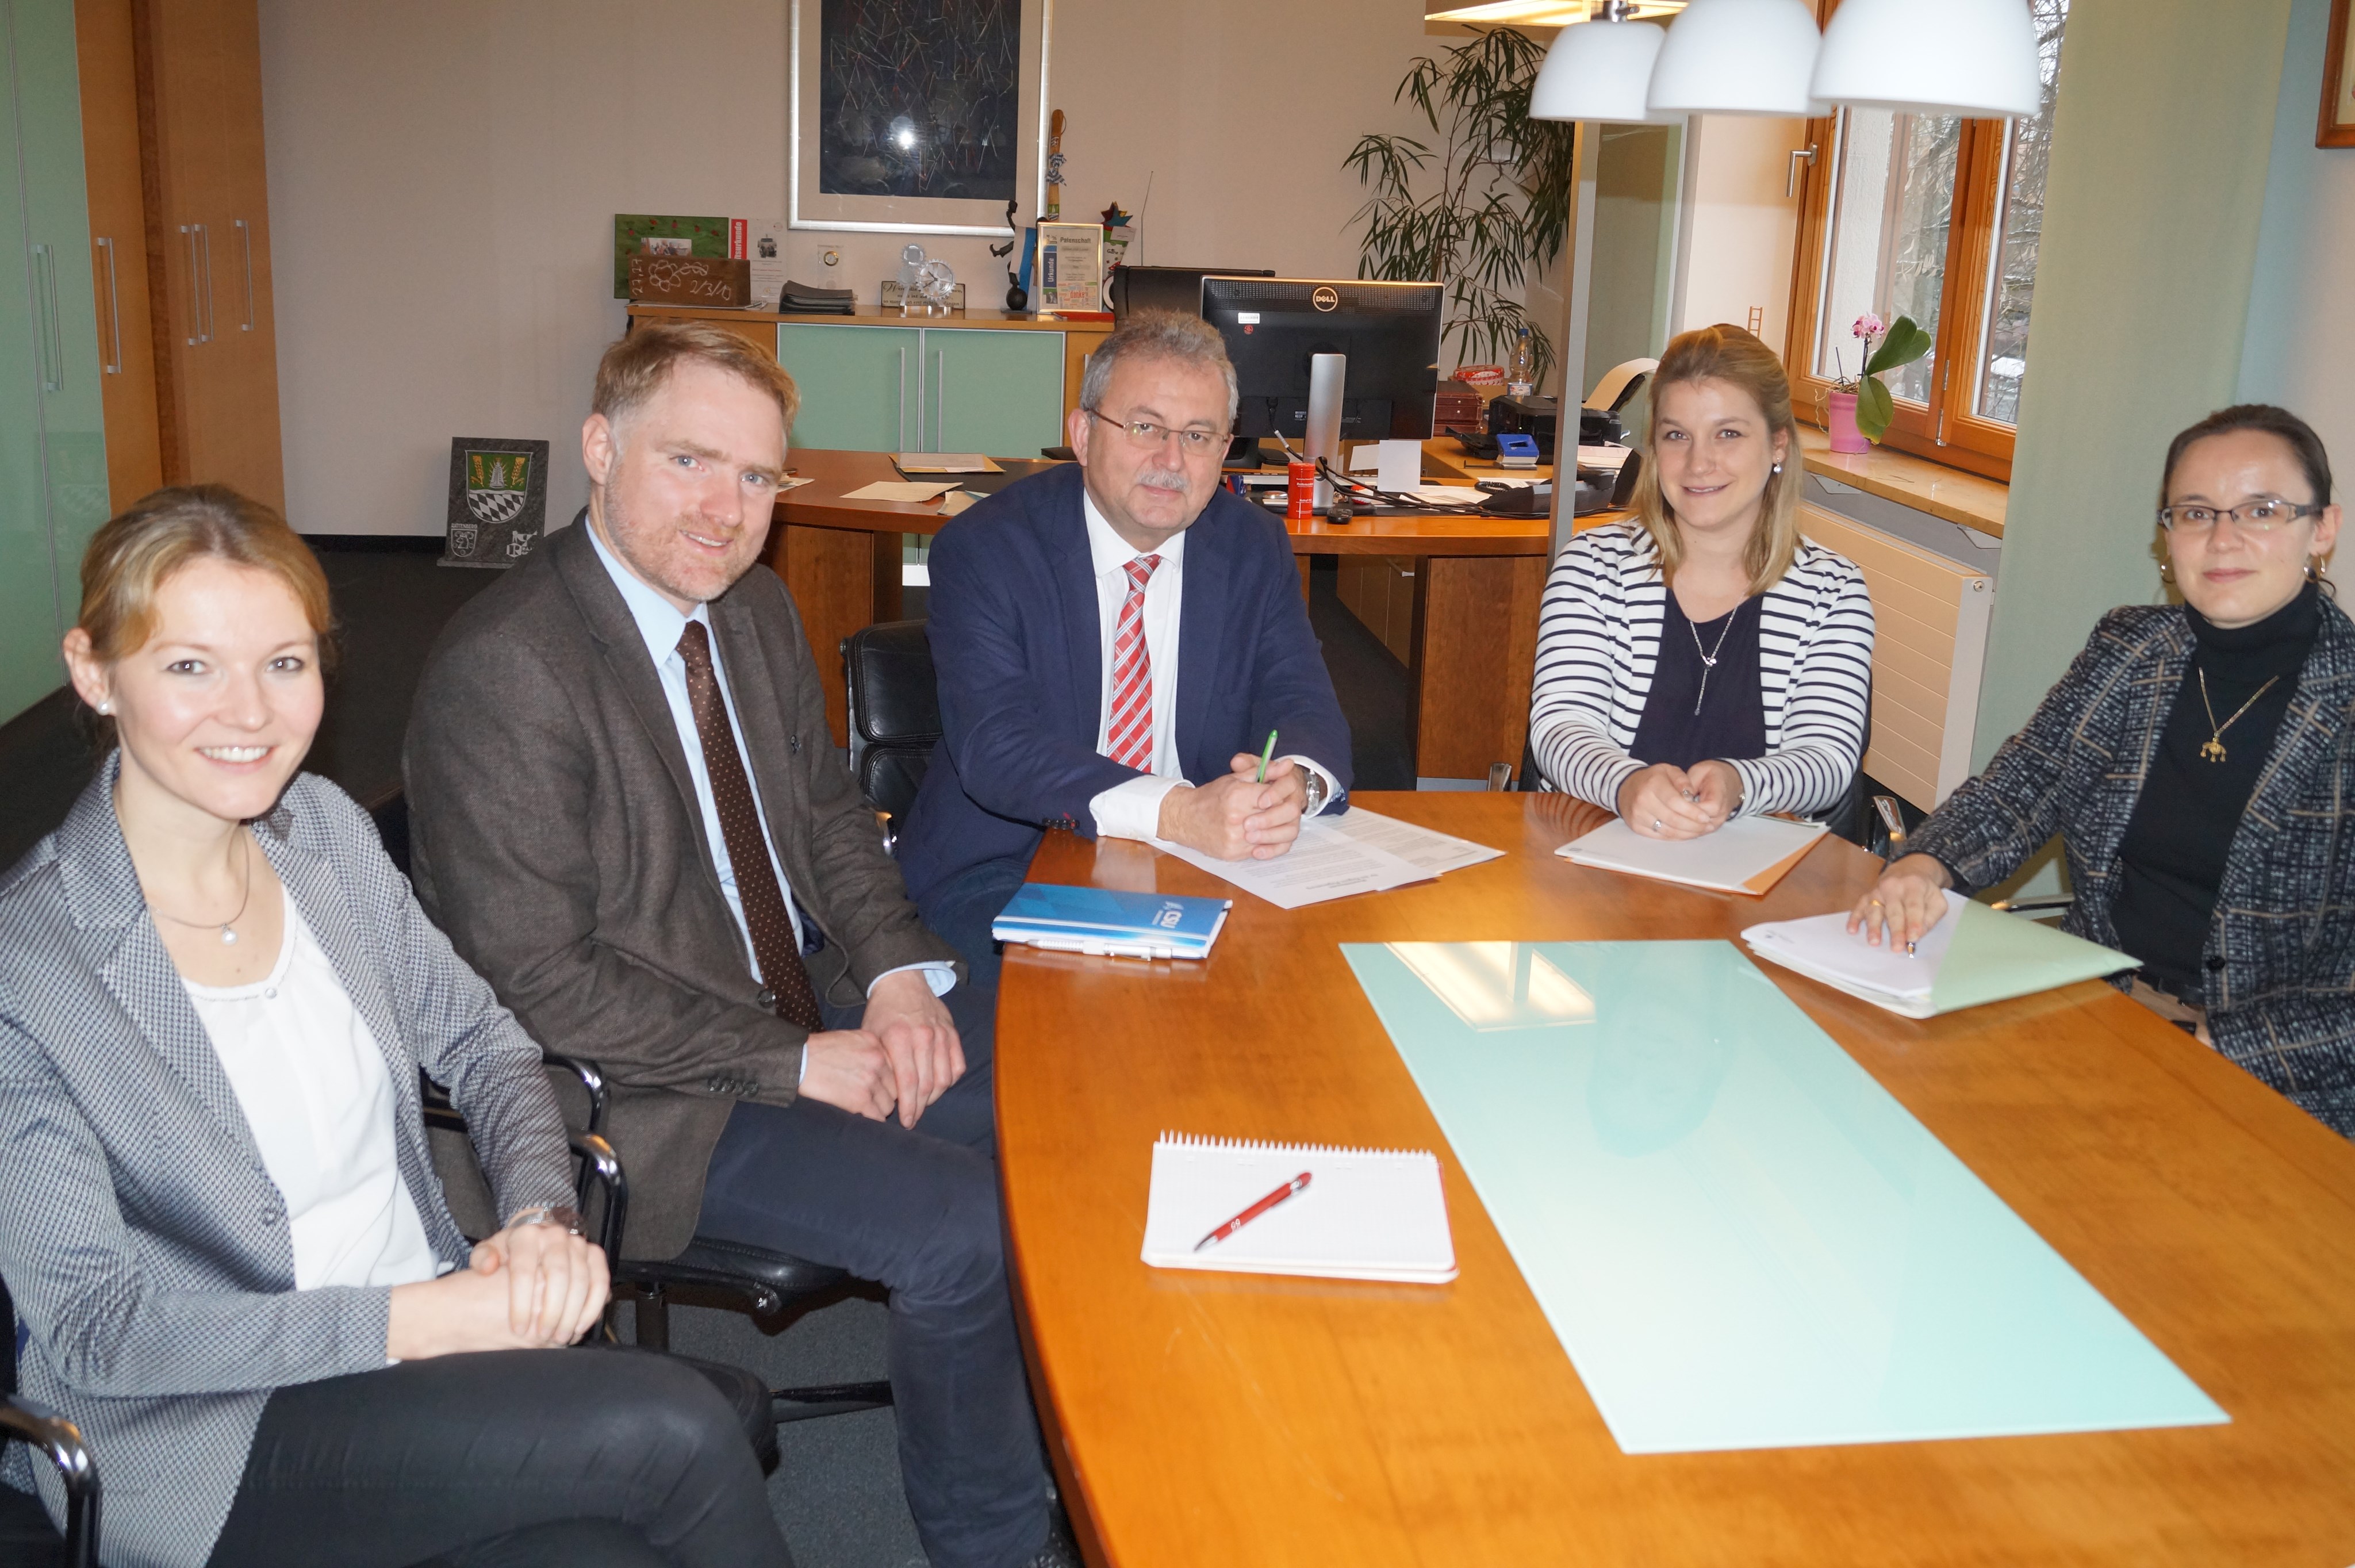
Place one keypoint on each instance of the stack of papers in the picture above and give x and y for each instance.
(1748, 855)
(1973, 954)
(1363, 1214)
(1105, 922)
(903, 490)
(1357, 852)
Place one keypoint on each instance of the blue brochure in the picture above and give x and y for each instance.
(1742, 1240)
(1103, 920)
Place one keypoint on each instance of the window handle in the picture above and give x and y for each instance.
(1790, 181)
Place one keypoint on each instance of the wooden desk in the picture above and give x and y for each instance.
(1201, 1418)
(1476, 612)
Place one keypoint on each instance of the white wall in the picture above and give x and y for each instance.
(443, 177)
(1740, 228)
(2299, 350)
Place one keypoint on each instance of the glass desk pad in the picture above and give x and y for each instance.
(1741, 1240)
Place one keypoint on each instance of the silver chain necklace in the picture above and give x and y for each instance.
(228, 934)
(1709, 655)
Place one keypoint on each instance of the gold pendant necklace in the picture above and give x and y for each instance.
(2213, 749)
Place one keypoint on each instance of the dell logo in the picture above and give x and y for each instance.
(1326, 298)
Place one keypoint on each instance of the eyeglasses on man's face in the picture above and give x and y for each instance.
(1193, 441)
(2262, 515)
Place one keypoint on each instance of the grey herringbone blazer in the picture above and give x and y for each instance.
(141, 1238)
(2281, 947)
(555, 834)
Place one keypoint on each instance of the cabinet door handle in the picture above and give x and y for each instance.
(903, 401)
(205, 247)
(940, 400)
(52, 341)
(196, 300)
(245, 240)
(113, 365)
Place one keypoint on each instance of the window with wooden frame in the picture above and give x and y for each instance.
(1936, 217)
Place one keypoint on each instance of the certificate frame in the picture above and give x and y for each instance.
(2336, 126)
(809, 206)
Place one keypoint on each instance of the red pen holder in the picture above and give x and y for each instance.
(1301, 497)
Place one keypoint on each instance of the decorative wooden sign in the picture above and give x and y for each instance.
(690, 280)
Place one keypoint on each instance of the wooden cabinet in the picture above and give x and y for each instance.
(207, 205)
(926, 389)
(104, 38)
(52, 429)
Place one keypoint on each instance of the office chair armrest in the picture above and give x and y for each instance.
(60, 1441)
(593, 1081)
(601, 1164)
(762, 1300)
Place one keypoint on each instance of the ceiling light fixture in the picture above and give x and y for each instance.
(1738, 57)
(1598, 70)
(1974, 58)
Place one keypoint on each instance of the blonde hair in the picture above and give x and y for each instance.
(1729, 354)
(635, 366)
(137, 552)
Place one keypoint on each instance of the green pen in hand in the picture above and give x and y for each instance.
(1267, 753)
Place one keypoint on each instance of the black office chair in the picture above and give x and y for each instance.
(26, 1537)
(895, 714)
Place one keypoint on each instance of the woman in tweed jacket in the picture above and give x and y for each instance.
(2199, 762)
(1706, 661)
(231, 1262)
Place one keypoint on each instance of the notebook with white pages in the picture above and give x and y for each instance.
(1364, 1214)
(1749, 855)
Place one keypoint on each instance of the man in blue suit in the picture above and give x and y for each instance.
(1114, 639)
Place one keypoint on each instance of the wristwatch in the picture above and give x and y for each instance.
(562, 1214)
(1313, 783)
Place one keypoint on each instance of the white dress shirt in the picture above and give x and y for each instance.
(1131, 809)
(312, 1083)
(661, 624)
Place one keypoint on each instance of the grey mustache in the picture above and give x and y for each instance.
(1156, 479)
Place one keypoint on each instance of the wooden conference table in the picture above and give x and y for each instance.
(1199, 1418)
(1475, 598)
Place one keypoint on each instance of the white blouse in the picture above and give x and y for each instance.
(312, 1081)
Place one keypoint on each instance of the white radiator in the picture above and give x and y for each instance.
(1929, 619)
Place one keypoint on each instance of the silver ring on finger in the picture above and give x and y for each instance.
(1655, 824)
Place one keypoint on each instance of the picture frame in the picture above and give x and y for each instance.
(2335, 126)
(847, 170)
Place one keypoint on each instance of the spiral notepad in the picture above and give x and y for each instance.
(1366, 1214)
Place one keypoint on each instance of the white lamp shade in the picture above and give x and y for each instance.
(1738, 57)
(1975, 58)
(1597, 71)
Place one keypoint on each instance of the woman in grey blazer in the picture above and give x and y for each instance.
(2199, 760)
(230, 1260)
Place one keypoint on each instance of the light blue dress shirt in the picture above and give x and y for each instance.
(662, 625)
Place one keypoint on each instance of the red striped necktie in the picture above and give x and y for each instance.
(1129, 740)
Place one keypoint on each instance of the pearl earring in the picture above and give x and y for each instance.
(104, 709)
(1777, 468)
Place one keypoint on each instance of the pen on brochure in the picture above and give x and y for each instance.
(1266, 754)
(1297, 1184)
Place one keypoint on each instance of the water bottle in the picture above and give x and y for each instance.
(1520, 369)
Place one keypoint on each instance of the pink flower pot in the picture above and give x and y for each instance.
(1840, 424)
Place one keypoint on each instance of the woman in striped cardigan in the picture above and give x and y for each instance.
(1706, 662)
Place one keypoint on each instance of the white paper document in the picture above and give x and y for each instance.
(1361, 1214)
(1973, 954)
(1434, 853)
(1748, 855)
(1323, 863)
(899, 490)
(1822, 948)
(1607, 457)
(1467, 497)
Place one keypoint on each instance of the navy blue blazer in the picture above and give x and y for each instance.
(1017, 641)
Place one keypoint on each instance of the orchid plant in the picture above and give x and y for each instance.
(1899, 345)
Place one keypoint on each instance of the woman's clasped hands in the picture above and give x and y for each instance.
(1667, 802)
(531, 1286)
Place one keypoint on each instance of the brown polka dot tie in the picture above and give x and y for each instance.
(740, 828)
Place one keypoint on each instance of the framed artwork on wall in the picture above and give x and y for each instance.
(2336, 126)
(917, 116)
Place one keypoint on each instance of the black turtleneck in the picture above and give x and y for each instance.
(2171, 861)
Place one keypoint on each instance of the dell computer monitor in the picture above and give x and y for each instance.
(1169, 288)
(1274, 325)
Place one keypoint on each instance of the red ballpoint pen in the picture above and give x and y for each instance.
(1297, 1184)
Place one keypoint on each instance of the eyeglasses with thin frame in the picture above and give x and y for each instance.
(1144, 432)
(2262, 515)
